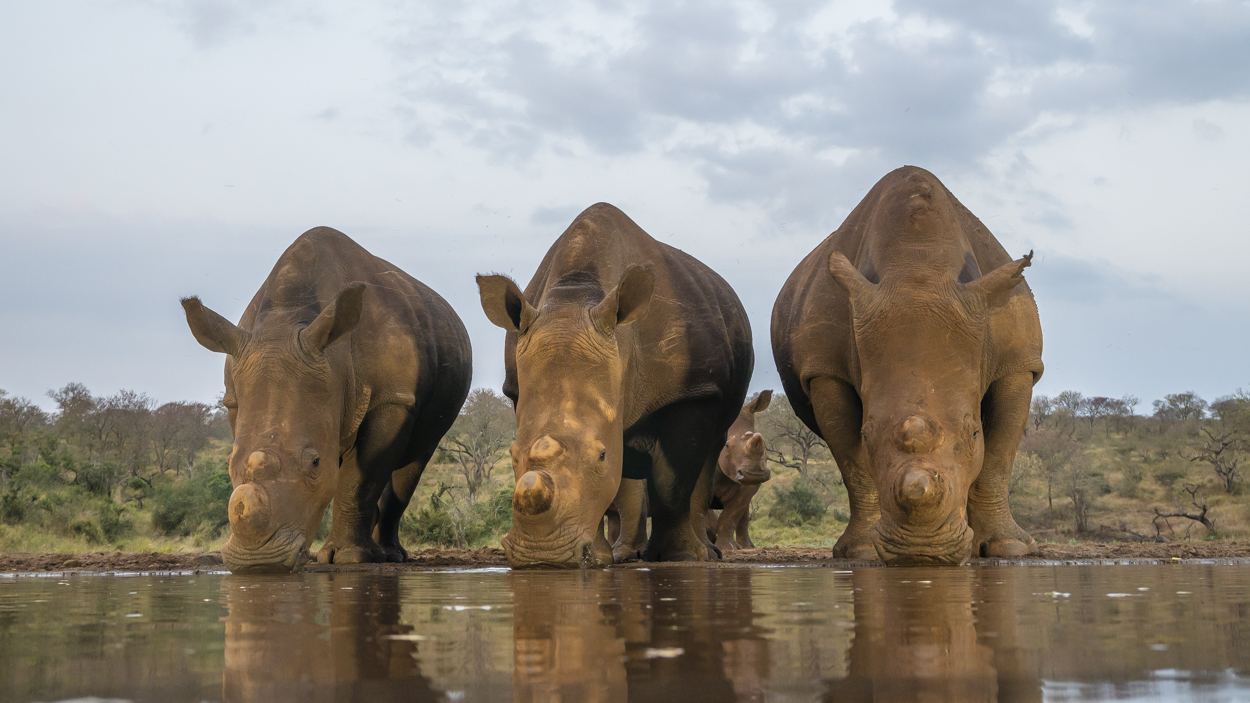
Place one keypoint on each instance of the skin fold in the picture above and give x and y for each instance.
(341, 378)
(743, 468)
(625, 358)
(910, 342)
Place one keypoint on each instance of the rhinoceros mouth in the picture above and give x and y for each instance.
(559, 552)
(283, 552)
(950, 544)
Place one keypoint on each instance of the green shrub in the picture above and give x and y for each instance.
(12, 507)
(97, 478)
(199, 503)
(446, 522)
(796, 505)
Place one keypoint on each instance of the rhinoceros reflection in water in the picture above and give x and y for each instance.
(284, 644)
(912, 644)
(636, 635)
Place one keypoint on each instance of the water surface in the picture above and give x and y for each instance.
(1026, 633)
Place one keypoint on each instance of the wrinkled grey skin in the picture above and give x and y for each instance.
(625, 358)
(341, 378)
(910, 342)
(743, 468)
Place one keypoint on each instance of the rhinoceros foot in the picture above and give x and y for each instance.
(856, 546)
(331, 553)
(679, 545)
(623, 554)
(394, 553)
(1001, 538)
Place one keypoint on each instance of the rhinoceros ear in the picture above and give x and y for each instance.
(505, 304)
(760, 403)
(849, 277)
(213, 331)
(336, 319)
(994, 288)
(627, 301)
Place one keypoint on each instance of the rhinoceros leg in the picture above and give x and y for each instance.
(727, 525)
(840, 417)
(630, 505)
(380, 446)
(391, 508)
(1005, 411)
(742, 517)
(690, 439)
(743, 534)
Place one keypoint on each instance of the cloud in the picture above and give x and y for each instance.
(766, 101)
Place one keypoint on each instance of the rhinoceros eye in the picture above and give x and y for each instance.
(317, 461)
(603, 455)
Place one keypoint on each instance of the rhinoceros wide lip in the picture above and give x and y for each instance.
(749, 479)
(551, 554)
(283, 552)
(899, 546)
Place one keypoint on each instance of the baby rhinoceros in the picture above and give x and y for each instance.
(341, 378)
(910, 342)
(743, 468)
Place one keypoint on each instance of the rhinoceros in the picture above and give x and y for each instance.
(624, 357)
(910, 342)
(743, 468)
(341, 378)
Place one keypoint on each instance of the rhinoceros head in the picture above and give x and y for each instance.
(920, 339)
(285, 407)
(744, 459)
(569, 444)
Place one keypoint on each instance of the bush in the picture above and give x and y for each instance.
(796, 505)
(445, 522)
(199, 503)
(1168, 477)
(12, 507)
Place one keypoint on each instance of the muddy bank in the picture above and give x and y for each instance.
(99, 562)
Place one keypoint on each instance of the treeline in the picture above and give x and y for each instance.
(1092, 466)
(98, 467)
(108, 470)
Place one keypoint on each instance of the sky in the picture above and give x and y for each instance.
(153, 149)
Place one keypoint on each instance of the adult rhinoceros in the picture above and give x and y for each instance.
(341, 378)
(909, 341)
(623, 356)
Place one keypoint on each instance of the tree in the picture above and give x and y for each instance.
(1053, 452)
(19, 418)
(1200, 516)
(1040, 410)
(1179, 407)
(179, 431)
(128, 421)
(1221, 449)
(787, 436)
(477, 440)
(1068, 406)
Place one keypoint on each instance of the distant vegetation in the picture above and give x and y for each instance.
(109, 472)
(124, 472)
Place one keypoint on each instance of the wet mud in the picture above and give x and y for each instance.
(1095, 553)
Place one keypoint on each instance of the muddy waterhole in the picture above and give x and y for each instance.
(1021, 633)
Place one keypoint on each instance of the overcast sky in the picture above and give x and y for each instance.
(151, 150)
